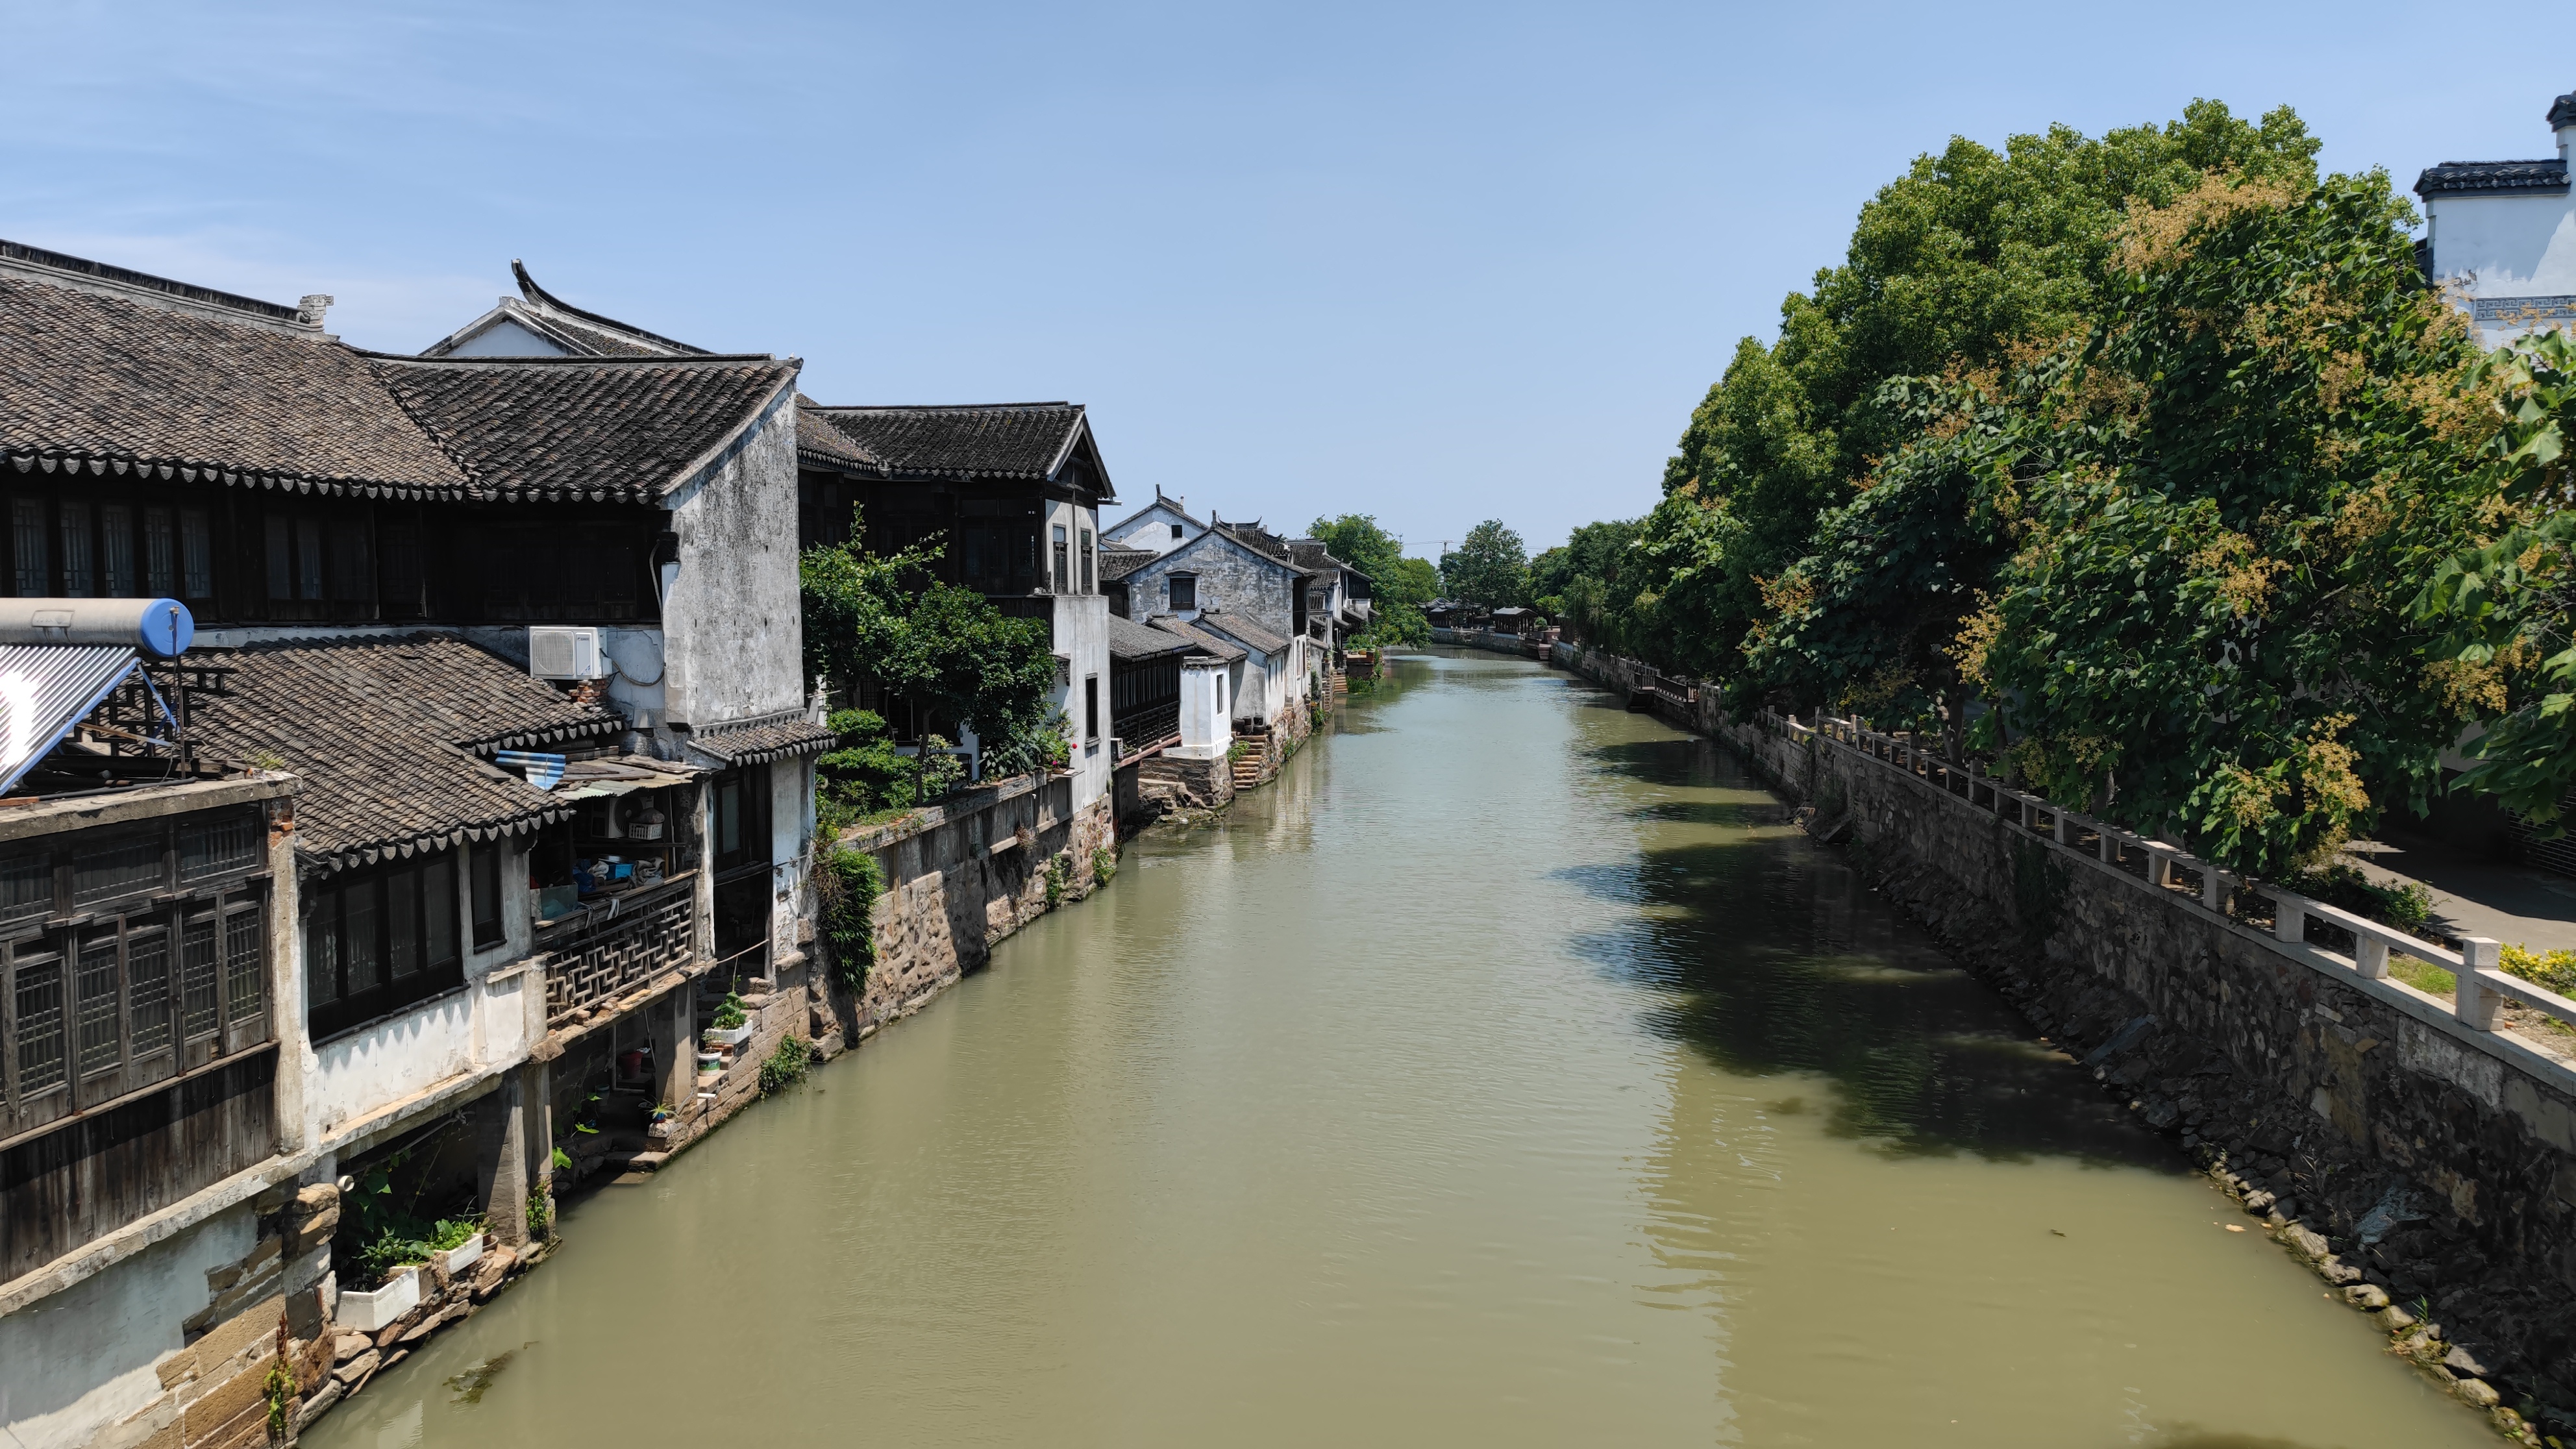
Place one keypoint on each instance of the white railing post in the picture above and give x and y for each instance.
(2108, 845)
(2371, 959)
(2472, 1000)
(2029, 812)
(2289, 918)
(2065, 829)
(2213, 888)
(2159, 868)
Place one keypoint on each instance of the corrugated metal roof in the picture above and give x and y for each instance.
(45, 689)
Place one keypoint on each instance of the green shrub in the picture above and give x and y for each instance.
(1059, 877)
(786, 1066)
(1104, 865)
(2408, 907)
(2555, 970)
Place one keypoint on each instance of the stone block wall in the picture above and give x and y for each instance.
(960, 878)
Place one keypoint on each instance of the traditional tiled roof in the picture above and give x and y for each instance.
(583, 429)
(2562, 111)
(819, 441)
(1243, 631)
(1223, 648)
(1131, 641)
(607, 334)
(1256, 538)
(385, 733)
(110, 382)
(103, 384)
(1117, 563)
(759, 744)
(1002, 440)
(2493, 178)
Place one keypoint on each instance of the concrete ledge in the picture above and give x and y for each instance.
(92, 1258)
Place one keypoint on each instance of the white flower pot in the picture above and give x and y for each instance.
(367, 1312)
(732, 1036)
(466, 1255)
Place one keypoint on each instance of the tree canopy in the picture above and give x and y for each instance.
(1400, 586)
(1489, 568)
(888, 619)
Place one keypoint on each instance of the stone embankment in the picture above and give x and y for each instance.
(2411, 1152)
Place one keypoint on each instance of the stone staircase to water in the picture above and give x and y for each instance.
(1252, 763)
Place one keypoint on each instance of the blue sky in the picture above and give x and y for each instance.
(1435, 263)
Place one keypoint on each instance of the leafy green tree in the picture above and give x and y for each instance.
(889, 619)
(2209, 622)
(1490, 567)
(1582, 581)
(1974, 262)
(1867, 621)
(2510, 645)
(1399, 586)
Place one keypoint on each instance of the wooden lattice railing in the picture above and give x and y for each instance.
(612, 953)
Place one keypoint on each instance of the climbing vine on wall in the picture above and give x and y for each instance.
(849, 883)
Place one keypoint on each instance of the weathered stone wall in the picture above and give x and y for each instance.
(961, 877)
(2404, 1154)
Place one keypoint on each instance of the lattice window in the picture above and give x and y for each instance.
(95, 984)
(147, 985)
(200, 1008)
(104, 872)
(26, 887)
(217, 846)
(245, 963)
(42, 1066)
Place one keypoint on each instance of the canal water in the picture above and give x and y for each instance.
(1510, 1072)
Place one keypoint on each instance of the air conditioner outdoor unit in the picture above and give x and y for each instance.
(564, 653)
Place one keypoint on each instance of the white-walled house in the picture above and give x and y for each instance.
(1158, 527)
(2502, 235)
(522, 638)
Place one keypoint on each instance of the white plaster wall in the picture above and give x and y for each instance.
(731, 623)
(505, 339)
(1153, 529)
(1082, 636)
(384, 1063)
(791, 835)
(2511, 246)
(79, 1360)
(486, 1025)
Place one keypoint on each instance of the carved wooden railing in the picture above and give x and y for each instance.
(616, 946)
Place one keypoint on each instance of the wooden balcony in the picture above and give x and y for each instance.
(617, 943)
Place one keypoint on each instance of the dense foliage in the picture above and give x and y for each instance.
(2207, 624)
(2153, 456)
(1489, 568)
(888, 619)
(2510, 645)
(1399, 586)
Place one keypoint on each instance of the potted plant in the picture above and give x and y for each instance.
(732, 1023)
(662, 1121)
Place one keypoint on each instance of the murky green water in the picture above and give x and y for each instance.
(1507, 1074)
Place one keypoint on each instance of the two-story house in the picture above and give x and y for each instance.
(521, 638)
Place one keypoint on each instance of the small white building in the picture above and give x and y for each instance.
(1158, 527)
(2502, 236)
